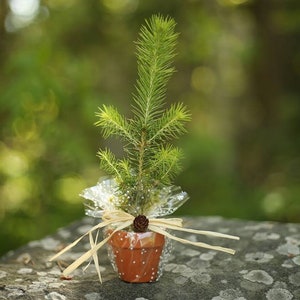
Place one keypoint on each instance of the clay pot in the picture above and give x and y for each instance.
(136, 256)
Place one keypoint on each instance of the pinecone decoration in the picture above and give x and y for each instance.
(140, 223)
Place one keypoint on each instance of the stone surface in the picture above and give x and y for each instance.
(265, 266)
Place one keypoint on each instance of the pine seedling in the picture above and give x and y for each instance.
(150, 161)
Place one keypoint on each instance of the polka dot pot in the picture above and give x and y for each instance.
(136, 256)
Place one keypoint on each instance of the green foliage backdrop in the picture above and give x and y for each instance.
(237, 66)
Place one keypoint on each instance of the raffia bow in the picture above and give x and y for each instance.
(121, 220)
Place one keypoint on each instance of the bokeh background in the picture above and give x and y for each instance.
(238, 67)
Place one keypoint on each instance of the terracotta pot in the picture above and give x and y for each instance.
(136, 256)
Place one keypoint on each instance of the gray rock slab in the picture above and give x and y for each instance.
(265, 266)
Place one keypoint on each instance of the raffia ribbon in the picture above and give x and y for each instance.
(121, 220)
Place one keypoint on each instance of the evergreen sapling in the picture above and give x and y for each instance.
(150, 161)
(140, 189)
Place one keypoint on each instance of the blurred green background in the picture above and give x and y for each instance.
(237, 69)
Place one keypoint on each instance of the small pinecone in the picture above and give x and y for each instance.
(140, 223)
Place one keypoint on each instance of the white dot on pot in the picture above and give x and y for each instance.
(133, 262)
(122, 260)
(143, 262)
(137, 276)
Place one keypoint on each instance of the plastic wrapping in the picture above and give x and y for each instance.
(138, 257)
(104, 197)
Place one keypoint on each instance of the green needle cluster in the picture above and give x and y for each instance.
(150, 161)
